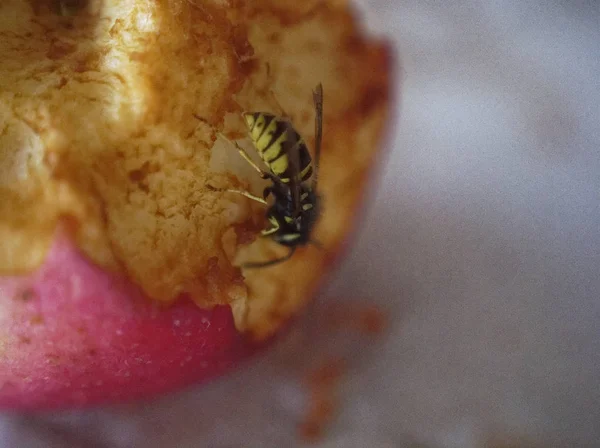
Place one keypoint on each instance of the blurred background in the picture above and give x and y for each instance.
(481, 248)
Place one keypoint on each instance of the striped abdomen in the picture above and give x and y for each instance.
(275, 138)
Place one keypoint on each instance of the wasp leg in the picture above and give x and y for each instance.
(245, 155)
(273, 228)
(242, 192)
(265, 264)
(267, 191)
(269, 231)
(242, 151)
(264, 174)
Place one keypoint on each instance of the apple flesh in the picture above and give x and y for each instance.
(73, 335)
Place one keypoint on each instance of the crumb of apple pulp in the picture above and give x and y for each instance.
(322, 383)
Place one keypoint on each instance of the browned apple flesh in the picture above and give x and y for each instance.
(103, 160)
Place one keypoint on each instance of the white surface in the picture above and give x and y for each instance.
(483, 241)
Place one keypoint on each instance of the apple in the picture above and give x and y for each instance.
(121, 273)
(74, 335)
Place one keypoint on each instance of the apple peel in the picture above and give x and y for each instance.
(120, 271)
(121, 345)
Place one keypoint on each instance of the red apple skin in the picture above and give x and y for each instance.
(72, 335)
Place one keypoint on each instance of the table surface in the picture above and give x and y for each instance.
(482, 242)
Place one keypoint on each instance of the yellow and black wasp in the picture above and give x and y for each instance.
(294, 209)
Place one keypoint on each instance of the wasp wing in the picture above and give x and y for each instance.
(318, 100)
(293, 155)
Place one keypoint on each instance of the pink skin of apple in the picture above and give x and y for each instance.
(72, 335)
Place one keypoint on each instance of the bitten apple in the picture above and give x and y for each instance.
(120, 270)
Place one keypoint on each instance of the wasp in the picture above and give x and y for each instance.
(295, 205)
